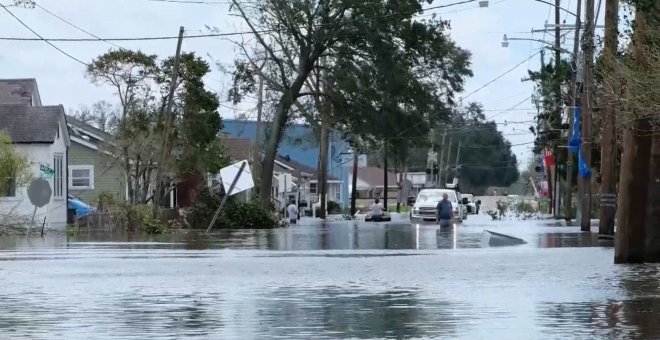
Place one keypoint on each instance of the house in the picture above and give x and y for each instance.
(292, 180)
(93, 170)
(301, 144)
(19, 92)
(39, 133)
(370, 183)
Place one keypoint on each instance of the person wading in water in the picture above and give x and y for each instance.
(444, 212)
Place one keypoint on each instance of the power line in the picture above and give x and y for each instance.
(40, 37)
(502, 75)
(74, 26)
(509, 109)
(194, 36)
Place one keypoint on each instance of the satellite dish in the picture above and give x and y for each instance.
(39, 192)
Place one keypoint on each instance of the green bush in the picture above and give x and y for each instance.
(235, 214)
(334, 207)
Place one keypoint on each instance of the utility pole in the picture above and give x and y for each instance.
(447, 164)
(256, 162)
(568, 199)
(385, 185)
(608, 135)
(558, 104)
(354, 180)
(458, 155)
(323, 152)
(587, 111)
(168, 119)
(438, 176)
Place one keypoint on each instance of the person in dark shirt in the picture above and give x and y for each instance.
(444, 212)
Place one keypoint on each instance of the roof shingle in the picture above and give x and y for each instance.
(19, 92)
(31, 124)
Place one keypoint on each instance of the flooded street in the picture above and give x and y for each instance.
(344, 279)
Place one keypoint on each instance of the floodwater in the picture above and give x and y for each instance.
(338, 280)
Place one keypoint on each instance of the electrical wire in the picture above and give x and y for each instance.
(502, 75)
(509, 109)
(198, 35)
(74, 26)
(40, 37)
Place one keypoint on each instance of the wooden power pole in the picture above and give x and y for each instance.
(385, 184)
(167, 119)
(354, 180)
(587, 111)
(558, 106)
(608, 135)
(568, 195)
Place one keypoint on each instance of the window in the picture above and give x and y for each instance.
(312, 188)
(9, 189)
(337, 194)
(81, 177)
(58, 178)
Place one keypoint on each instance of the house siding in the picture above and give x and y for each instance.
(20, 206)
(108, 176)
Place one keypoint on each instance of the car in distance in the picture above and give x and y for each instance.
(427, 201)
(470, 204)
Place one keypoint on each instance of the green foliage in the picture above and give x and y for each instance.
(14, 167)
(334, 207)
(235, 215)
(486, 158)
(142, 83)
(549, 81)
(367, 68)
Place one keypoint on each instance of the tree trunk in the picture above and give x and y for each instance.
(653, 207)
(633, 194)
(281, 116)
(635, 169)
(608, 135)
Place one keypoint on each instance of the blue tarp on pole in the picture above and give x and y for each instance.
(575, 143)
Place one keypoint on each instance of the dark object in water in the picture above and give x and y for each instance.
(386, 217)
(493, 239)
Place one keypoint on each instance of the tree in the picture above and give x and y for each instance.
(14, 168)
(486, 158)
(364, 46)
(130, 74)
(639, 75)
(105, 116)
(142, 84)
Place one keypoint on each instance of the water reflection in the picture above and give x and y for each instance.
(334, 312)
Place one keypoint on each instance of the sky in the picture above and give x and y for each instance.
(61, 79)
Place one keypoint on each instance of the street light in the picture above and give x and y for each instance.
(505, 43)
(484, 3)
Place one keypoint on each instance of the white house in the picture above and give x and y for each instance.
(40, 134)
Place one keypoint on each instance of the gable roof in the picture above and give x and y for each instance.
(238, 149)
(19, 92)
(33, 124)
(85, 134)
(374, 177)
(304, 169)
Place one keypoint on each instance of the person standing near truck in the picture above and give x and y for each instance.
(444, 212)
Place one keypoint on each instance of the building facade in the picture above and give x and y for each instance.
(301, 144)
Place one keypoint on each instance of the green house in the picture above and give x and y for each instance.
(93, 170)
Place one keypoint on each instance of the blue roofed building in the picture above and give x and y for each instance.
(301, 144)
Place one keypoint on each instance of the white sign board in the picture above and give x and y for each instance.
(244, 182)
(347, 160)
(285, 182)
